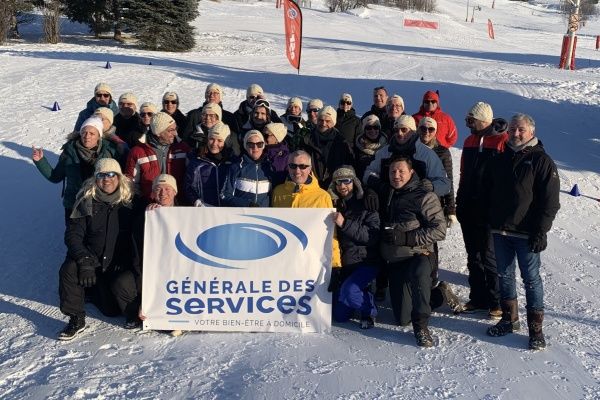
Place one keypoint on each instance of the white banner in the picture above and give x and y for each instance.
(237, 269)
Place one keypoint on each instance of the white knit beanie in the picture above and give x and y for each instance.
(277, 129)
(250, 133)
(406, 121)
(346, 97)
(164, 179)
(150, 106)
(171, 96)
(329, 112)
(161, 122)
(107, 165)
(371, 120)
(481, 111)
(103, 87)
(254, 90)
(106, 113)
(428, 120)
(295, 101)
(213, 108)
(129, 98)
(213, 87)
(94, 121)
(219, 131)
(315, 103)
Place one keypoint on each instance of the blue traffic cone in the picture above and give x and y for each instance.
(56, 107)
(108, 66)
(575, 191)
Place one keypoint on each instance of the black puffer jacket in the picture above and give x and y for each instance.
(348, 124)
(522, 191)
(328, 153)
(413, 210)
(102, 231)
(359, 235)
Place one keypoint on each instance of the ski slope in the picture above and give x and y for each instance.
(241, 43)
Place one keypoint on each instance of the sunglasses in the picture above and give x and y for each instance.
(298, 166)
(429, 101)
(106, 95)
(401, 129)
(146, 114)
(349, 103)
(371, 128)
(257, 145)
(470, 120)
(313, 110)
(104, 175)
(429, 129)
(170, 102)
(344, 181)
(252, 97)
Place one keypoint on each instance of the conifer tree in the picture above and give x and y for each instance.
(161, 24)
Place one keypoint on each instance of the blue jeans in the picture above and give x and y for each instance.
(354, 294)
(508, 250)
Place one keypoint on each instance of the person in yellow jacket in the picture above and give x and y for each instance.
(302, 190)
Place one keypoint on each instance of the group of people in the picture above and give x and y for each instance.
(388, 174)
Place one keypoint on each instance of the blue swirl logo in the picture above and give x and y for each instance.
(240, 242)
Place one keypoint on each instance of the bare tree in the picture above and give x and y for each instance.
(52, 12)
(587, 9)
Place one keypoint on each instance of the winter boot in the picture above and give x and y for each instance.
(535, 318)
(423, 337)
(510, 319)
(367, 322)
(451, 299)
(75, 326)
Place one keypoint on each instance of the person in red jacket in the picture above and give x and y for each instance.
(446, 128)
(161, 154)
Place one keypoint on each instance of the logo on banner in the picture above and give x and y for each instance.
(222, 245)
(292, 14)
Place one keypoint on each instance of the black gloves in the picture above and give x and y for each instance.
(336, 280)
(340, 205)
(538, 242)
(427, 185)
(394, 236)
(87, 271)
(371, 200)
(253, 204)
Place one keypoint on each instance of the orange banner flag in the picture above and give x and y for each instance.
(292, 17)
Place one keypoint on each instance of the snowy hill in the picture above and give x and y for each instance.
(241, 43)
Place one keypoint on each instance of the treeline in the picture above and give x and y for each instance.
(155, 24)
(419, 5)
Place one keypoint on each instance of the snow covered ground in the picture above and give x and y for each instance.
(241, 43)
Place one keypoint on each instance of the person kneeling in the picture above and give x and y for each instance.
(98, 239)
(413, 221)
(358, 235)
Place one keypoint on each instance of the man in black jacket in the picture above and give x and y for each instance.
(522, 190)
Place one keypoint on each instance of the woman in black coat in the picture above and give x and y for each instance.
(99, 246)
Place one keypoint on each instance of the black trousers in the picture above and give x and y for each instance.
(481, 262)
(410, 290)
(111, 293)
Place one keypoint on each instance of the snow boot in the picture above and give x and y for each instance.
(451, 299)
(75, 326)
(535, 318)
(367, 322)
(510, 319)
(423, 337)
